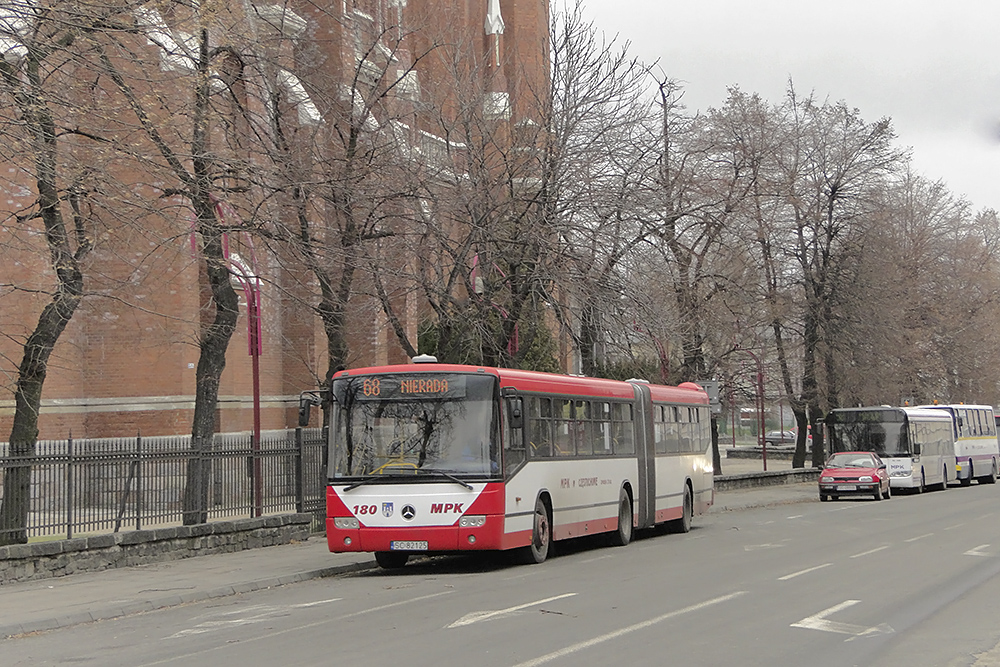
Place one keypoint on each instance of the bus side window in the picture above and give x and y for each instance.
(514, 453)
(539, 427)
(622, 427)
(673, 430)
(659, 429)
(582, 428)
(562, 442)
(602, 428)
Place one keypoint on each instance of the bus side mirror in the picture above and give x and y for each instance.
(916, 449)
(306, 401)
(516, 413)
(305, 406)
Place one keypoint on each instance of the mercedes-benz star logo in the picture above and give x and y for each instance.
(408, 512)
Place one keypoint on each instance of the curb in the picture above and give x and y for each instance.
(9, 631)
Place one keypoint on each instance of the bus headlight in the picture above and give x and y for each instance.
(472, 521)
(346, 523)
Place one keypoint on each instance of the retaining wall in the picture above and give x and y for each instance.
(40, 560)
(752, 480)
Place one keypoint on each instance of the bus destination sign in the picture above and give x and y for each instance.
(423, 386)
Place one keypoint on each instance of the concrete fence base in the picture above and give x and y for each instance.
(756, 479)
(41, 560)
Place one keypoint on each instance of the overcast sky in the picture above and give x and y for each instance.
(933, 68)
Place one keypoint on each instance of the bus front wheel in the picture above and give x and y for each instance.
(541, 534)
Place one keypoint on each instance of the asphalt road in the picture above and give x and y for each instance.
(912, 580)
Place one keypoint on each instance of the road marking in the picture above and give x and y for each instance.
(871, 551)
(478, 616)
(977, 551)
(914, 539)
(299, 628)
(797, 516)
(801, 572)
(957, 525)
(758, 547)
(260, 613)
(575, 648)
(820, 622)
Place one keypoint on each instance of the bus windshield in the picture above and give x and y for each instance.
(887, 439)
(415, 424)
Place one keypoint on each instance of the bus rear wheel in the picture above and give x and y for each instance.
(683, 524)
(391, 560)
(623, 535)
(992, 477)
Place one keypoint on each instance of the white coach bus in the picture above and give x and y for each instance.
(976, 447)
(916, 444)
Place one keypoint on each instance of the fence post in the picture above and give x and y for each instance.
(69, 487)
(138, 481)
(300, 483)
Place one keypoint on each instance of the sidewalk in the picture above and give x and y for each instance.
(59, 602)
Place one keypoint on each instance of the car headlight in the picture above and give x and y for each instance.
(826, 480)
(865, 478)
(472, 521)
(346, 523)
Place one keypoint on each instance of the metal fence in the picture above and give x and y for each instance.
(111, 484)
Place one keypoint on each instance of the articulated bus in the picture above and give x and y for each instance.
(915, 443)
(976, 446)
(431, 458)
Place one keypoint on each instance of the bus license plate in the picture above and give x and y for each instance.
(408, 545)
(847, 487)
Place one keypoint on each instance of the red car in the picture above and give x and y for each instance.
(854, 474)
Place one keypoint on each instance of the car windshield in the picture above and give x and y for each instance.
(417, 424)
(850, 461)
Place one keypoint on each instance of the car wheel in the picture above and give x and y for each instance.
(623, 535)
(541, 534)
(391, 560)
(823, 497)
(878, 492)
(888, 491)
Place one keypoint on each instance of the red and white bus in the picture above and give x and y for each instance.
(437, 458)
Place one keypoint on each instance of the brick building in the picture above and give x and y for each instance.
(126, 361)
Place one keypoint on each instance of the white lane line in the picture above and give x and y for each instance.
(957, 525)
(758, 547)
(914, 539)
(870, 551)
(797, 516)
(801, 572)
(821, 623)
(977, 551)
(575, 648)
(478, 616)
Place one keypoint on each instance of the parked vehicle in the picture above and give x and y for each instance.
(854, 474)
(779, 438)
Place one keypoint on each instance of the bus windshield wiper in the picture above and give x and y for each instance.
(360, 482)
(447, 475)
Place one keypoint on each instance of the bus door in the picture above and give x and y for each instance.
(645, 495)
